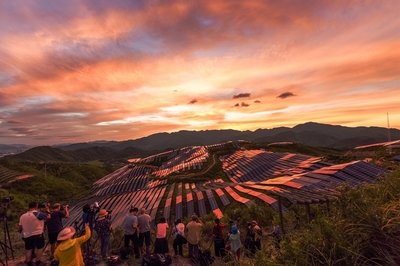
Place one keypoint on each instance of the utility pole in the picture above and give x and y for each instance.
(389, 137)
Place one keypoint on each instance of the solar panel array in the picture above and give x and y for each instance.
(253, 176)
(258, 165)
(189, 158)
(7, 175)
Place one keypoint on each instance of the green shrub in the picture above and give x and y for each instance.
(363, 228)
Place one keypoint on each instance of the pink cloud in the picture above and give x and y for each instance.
(124, 60)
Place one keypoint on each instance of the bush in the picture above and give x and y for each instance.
(363, 228)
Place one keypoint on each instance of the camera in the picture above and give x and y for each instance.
(7, 200)
(44, 206)
(63, 207)
(91, 209)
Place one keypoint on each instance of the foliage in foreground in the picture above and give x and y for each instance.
(363, 228)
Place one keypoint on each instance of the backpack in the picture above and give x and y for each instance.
(157, 260)
(203, 258)
(114, 261)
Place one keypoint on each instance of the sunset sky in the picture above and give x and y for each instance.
(73, 71)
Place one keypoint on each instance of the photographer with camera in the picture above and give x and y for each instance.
(31, 226)
(103, 228)
(89, 214)
(55, 224)
(68, 251)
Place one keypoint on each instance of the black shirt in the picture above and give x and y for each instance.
(54, 224)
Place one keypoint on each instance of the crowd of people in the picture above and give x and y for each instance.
(137, 227)
(32, 225)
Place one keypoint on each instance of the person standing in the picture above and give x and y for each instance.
(68, 251)
(257, 234)
(144, 221)
(179, 233)
(130, 226)
(234, 241)
(193, 236)
(103, 229)
(31, 226)
(55, 224)
(161, 244)
(277, 236)
(232, 223)
(219, 242)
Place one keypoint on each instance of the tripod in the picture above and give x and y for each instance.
(6, 245)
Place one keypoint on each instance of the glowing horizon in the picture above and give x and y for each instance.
(76, 71)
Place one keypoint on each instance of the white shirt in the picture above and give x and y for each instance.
(31, 225)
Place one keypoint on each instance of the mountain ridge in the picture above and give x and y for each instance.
(310, 133)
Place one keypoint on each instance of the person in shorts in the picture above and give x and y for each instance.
(55, 224)
(31, 226)
(144, 221)
(130, 226)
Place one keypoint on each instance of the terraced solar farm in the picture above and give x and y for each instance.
(7, 175)
(159, 184)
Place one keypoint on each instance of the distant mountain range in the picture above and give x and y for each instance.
(12, 148)
(312, 134)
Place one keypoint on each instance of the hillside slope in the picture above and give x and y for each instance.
(92, 153)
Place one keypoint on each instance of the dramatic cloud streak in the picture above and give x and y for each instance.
(241, 95)
(84, 70)
(286, 95)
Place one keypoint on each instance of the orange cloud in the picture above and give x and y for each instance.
(128, 67)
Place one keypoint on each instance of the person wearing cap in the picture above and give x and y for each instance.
(68, 251)
(103, 229)
(193, 235)
(253, 237)
(55, 224)
(231, 224)
(234, 241)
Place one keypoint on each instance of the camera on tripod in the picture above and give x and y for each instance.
(7, 200)
(4, 204)
(5, 243)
